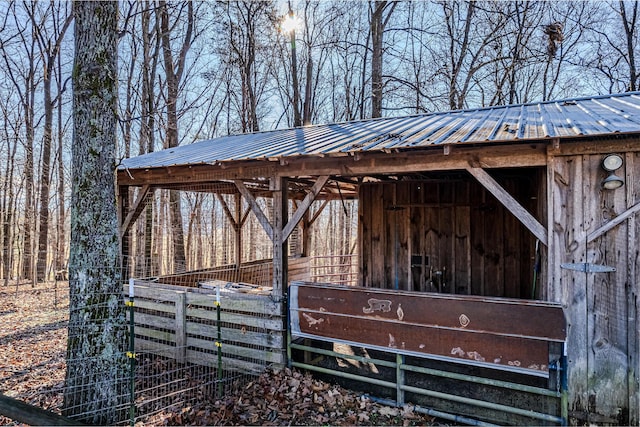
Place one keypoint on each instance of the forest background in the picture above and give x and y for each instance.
(197, 70)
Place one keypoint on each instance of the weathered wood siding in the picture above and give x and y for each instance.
(410, 229)
(601, 308)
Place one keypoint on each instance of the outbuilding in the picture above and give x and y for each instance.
(534, 203)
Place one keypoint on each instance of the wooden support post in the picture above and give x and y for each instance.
(304, 206)
(633, 328)
(123, 211)
(181, 326)
(280, 255)
(549, 287)
(238, 229)
(255, 208)
(138, 205)
(306, 234)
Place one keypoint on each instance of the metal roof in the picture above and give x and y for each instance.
(589, 116)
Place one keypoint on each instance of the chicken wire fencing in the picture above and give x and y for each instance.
(205, 320)
(163, 349)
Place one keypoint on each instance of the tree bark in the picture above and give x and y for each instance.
(49, 49)
(173, 74)
(96, 361)
(378, 24)
(630, 27)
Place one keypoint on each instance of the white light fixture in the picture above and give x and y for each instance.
(611, 163)
(612, 182)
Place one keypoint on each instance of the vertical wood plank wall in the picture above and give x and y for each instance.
(456, 226)
(601, 308)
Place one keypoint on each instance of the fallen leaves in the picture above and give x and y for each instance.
(32, 367)
(291, 397)
(33, 337)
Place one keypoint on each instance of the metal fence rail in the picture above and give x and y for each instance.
(494, 359)
(400, 386)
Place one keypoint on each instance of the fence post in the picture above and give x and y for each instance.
(399, 379)
(219, 343)
(132, 355)
(181, 326)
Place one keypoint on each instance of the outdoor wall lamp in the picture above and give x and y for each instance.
(611, 163)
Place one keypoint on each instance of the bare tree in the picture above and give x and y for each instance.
(49, 48)
(630, 23)
(173, 70)
(617, 46)
(381, 11)
(21, 64)
(96, 361)
(243, 50)
(8, 149)
(150, 47)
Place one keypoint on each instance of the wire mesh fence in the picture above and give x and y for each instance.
(212, 360)
(205, 319)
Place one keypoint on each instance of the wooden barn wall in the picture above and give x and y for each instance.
(601, 308)
(460, 229)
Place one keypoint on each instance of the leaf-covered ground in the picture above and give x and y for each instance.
(33, 331)
(290, 397)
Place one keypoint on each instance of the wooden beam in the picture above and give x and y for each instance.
(255, 208)
(613, 223)
(506, 155)
(365, 163)
(135, 211)
(22, 412)
(280, 255)
(227, 211)
(318, 212)
(245, 215)
(123, 209)
(510, 203)
(239, 224)
(304, 206)
(548, 286)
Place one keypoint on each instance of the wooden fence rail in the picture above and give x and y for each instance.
(22, 412)
(181, 322)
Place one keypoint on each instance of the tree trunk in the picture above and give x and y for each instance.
(173, 75)
(377, 31)
(96, 362)
(630, 27)
(60, 251)
(378, 23)
(147, 135)
(28, 225)
(49, 49)
(8, 203)
(297, 118)
(43, 236)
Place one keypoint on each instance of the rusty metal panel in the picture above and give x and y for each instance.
(513, 334)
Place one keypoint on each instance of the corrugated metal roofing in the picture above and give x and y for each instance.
(591, 116)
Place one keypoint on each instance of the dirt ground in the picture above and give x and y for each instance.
(33, 332)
